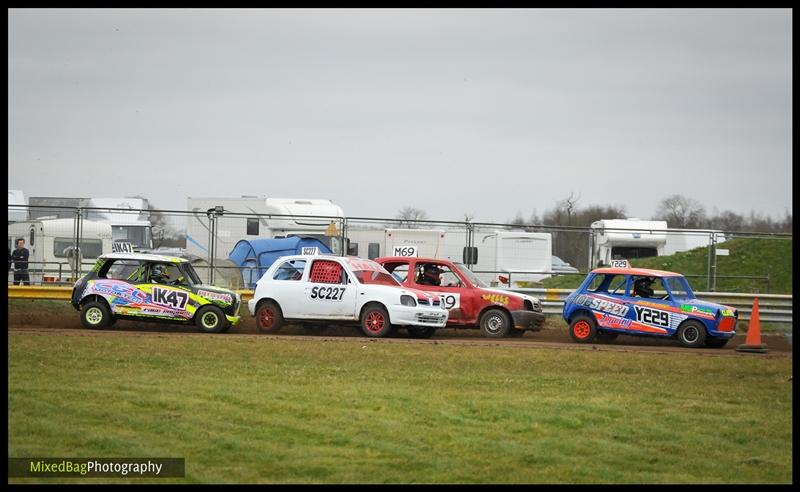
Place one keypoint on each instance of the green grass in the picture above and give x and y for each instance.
(748, 257)
(258, 409)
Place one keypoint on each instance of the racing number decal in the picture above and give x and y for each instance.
(170, 298)
(652, 316)
(404, 251)
(449, 301)
(328, 293)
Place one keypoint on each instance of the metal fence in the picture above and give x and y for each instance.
(64, 242)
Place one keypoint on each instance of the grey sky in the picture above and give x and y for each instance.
(487, 112)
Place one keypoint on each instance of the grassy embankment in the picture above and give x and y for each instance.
(258, 409)
(748, 257)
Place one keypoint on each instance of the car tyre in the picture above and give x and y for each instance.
(375, 322)
(269, 317)
(692, 334)
(582, 329)
(716, 342)
(210, 319)
(495, 323)
(96, 315)
(421, 331)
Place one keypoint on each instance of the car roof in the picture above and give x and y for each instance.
(143, 257)
(417, 258)
(637, 271)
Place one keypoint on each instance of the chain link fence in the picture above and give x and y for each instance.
(64, 242)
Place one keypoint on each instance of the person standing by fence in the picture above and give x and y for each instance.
(20, 259)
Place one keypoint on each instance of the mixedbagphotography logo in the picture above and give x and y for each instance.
(96, 467)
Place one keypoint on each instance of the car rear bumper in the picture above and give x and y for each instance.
(416, 316)
(251, 306)
(527, 320)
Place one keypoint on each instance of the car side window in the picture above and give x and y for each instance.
(327, 272)
(608, 284)
(121, 270)
(401, 273)
(449, 278)
(290, 270)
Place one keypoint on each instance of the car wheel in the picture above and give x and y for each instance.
(210, 319)
(96, 315)
(692, 334)
(606, 337)
(421, 331)
(269, 317)
(582, 329)
(716, 342)
(495, 323)
(375, 322)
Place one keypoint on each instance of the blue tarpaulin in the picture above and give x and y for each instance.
(255, 256)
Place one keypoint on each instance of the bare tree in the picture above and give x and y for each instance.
(409, 216)
(681, 212)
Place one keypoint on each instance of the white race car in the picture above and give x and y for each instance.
(320, 288)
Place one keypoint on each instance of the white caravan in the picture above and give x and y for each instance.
(131, 228)
(51, 245)
(276, 218)
(634, 238)
(503, 257)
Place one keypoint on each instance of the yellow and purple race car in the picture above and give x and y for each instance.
(638, 301)
(152, 287)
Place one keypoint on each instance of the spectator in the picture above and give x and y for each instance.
(20, 259)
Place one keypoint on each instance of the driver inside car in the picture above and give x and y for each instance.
(642, 287)
(160, 275)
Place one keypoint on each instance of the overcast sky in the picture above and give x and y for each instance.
(485, 112)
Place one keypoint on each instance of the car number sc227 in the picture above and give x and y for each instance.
(328, 293)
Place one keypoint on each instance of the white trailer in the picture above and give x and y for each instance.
(502, 256)
(131, 227)
(688, 240)
(51, 244)
(269, 218)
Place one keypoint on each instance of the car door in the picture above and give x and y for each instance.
(169, 298)
(451, 289)
(331, 291)
(652, 314)
(288, 285)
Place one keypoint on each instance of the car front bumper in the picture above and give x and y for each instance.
(528, 320)
(233, 320)
(416, 316)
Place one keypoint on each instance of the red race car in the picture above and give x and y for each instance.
(472, 303)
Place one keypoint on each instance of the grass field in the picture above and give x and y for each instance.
(259, 409)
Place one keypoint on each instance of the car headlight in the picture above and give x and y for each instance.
(408, 301)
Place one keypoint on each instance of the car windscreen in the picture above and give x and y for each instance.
(373, 277)
(189, 272)
(474, 280)
(679, 287)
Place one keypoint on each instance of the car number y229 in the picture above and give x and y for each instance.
(328, 293)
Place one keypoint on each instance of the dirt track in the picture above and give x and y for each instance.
(57, 323)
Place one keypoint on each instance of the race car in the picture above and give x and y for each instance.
(325, 288)
(149, 287)
(638, 301)
(471, 303)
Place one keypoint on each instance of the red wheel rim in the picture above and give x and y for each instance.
(581, 329)
(375, 322)
(267, 318)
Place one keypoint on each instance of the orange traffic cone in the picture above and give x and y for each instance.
(753, 341)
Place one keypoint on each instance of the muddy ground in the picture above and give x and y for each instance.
(47, 317)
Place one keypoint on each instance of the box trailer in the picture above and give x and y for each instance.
(500, 257)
